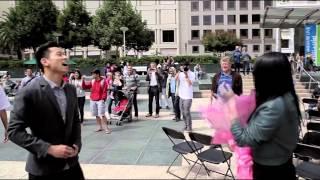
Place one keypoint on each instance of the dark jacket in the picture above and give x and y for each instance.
(36, 107)
(159, 80)
(236, 83)
(272, 131)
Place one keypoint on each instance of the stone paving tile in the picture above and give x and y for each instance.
(156, 157)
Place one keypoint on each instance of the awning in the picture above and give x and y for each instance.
(31, 61)
(290, 17)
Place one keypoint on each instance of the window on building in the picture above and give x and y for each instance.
(243, 4)
(267, 48)
(255, 4)
(219, 19)
(207, 5)
(219, 5)
(219, 31)
(207, 31)
(255, 18)
(195, 49)
(284, 43)
(195, 34)
(194, 5)
(152, 36)
(243, 33)
(267, 3)
(256, 48)
(207, 20)
(168, 36)
(256, 33)
(194, 20)
(268, 33)
(231, 19)
(243, 19)
(231, 4)
(232, 31)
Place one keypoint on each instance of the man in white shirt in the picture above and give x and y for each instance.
(154, 89)
(186, 79)
(4, 104)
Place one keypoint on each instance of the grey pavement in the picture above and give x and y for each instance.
(136, 150)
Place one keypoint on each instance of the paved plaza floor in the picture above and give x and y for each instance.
(136, 150)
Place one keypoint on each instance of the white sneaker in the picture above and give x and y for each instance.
(108, 116)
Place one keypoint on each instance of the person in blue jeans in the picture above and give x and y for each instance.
(246, 58)
(237, 59)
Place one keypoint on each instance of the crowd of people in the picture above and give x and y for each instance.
(55, 139)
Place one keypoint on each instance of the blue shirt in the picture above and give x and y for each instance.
(237, 56)
(173, 85)
(226, 78)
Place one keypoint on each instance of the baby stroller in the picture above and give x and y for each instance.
(122, 111)
(10, 88)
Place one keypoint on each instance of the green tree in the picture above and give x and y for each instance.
(113, 15)
(73, 25)
(220, 42)
(37, 19)
(9, 34)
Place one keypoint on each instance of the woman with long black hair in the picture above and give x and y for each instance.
(76, 80)
(273, 127)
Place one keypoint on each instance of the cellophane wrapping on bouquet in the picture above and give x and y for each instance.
(216, 116)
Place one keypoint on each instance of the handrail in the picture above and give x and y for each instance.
(303, 70)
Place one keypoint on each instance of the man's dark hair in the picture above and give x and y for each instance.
(43, 51)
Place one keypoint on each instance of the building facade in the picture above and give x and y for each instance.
(178, 26)
(184, 23)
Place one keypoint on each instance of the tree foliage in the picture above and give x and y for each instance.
(8, 35)
(220, 42)
(28, 24)
(114, 14)
(36, 22)
(73, 25)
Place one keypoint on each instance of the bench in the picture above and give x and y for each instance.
(140, 69)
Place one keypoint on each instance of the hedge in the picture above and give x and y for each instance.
(203, 59)
(97, 62)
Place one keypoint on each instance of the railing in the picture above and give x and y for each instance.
(303, 71)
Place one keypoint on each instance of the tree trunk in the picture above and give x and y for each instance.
(117, 53)
(19, 54)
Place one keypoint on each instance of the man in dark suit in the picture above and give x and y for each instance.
(48, 107)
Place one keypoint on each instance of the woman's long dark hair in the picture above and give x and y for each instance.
(273, 78)
(78, 71)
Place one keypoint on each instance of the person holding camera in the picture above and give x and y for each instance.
(154, 89)
(227, 76)
(186, 79)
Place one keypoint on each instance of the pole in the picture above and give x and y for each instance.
(124, 43)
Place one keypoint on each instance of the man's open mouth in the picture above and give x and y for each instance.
(65, 64)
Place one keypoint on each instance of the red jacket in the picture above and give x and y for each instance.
(98, 89)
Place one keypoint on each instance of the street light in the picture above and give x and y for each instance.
(57, 35)
(124, 29)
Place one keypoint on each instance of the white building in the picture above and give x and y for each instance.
(178, 26)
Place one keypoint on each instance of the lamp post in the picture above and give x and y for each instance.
(124, 29)
(57, 35)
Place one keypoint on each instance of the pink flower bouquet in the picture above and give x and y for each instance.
(217, 117)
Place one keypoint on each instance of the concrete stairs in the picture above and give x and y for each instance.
(248, 85)
(202, 88)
